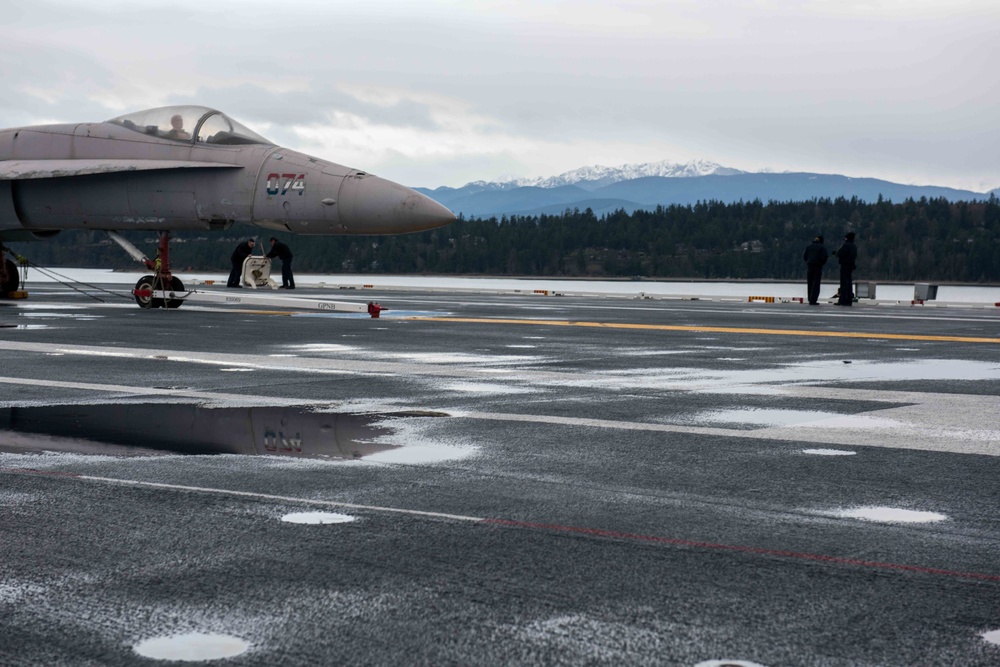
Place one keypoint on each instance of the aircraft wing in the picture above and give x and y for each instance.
(26, 169)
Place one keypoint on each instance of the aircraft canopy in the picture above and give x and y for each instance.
(190, 124)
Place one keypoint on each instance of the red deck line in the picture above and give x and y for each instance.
(597, 532)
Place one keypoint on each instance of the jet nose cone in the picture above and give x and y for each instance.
(373, 205)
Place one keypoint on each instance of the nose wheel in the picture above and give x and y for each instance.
(161, 281)
(148, 284)
(143, 293)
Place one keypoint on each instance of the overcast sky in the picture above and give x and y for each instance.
(433, 93)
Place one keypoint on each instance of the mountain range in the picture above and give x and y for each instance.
(646, 186)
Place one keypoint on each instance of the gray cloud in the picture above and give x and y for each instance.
(904, 91)
(306, 107)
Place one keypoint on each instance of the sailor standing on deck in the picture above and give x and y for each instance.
(847, 255)
(815, 257)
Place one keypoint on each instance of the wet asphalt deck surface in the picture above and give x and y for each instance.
(616, 496)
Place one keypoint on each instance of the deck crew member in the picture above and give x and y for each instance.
(815, 257)
(242, 251)
(282, 252)
(847, 256)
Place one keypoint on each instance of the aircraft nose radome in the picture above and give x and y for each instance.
(370, 204)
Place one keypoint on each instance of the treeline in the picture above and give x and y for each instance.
(929, 239)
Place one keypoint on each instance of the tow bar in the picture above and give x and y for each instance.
(157, 297)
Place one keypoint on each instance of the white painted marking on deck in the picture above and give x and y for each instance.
(453, 365)
(317, 518)
(284, 499)
(242, 399)
(888, 515)
(485, 388)
(192, 647)
(323, 347)
(763, 416)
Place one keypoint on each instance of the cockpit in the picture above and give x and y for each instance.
(190, 124)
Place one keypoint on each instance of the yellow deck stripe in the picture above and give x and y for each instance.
(707, 329)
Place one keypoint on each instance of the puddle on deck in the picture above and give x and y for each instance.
(156, 428)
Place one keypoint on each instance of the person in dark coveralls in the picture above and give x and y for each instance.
(847, 256)
(282, 252)
(815, 257)
(242, 251)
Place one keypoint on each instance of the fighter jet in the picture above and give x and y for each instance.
(185, 168)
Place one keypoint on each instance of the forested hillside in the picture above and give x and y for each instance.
(929, 239)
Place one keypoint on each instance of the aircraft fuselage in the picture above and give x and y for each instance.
(110, 176)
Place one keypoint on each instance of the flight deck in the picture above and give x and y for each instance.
(498, 479)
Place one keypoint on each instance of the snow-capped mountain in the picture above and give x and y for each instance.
(646, 186)
(591, 178)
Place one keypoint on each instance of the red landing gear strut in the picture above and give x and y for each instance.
(160, 280)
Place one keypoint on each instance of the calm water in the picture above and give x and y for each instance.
(893, 292)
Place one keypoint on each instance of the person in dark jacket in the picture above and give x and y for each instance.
(282, 252)
(847, 256)
(242, 251)
(815, 257)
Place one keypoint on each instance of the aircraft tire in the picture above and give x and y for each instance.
(147, 283)
(13, 280)
(177, 286)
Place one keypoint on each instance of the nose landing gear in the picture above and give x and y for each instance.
(160, 281)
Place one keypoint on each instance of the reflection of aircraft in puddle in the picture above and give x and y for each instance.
(194, 429)
(184, 168)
